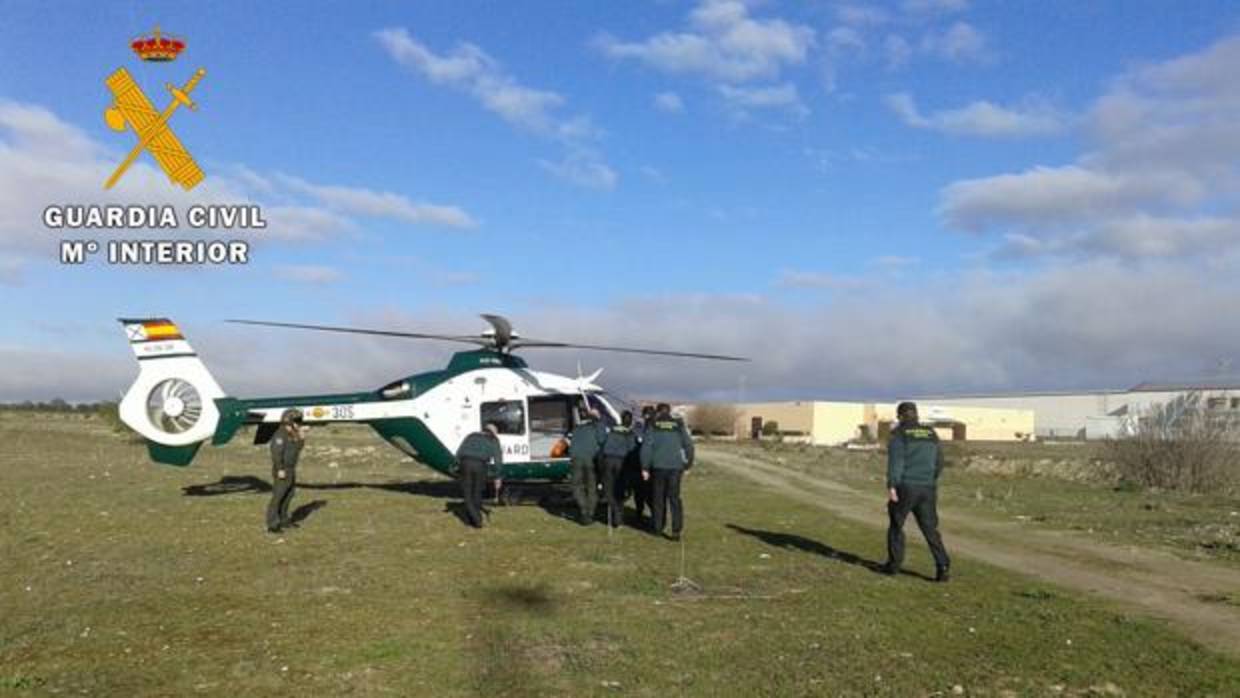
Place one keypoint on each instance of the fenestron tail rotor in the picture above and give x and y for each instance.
(174, 406)
(500, 337)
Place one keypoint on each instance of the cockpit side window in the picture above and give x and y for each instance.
(508, 416)
(397, 390)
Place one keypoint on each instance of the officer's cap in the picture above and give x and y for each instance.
(291, 415)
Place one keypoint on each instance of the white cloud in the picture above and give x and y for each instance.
(893, 262)
(1084, 324)
(853, 14)
(897, 51)
(470, 69)
(981, 118)
(783, 96)
(791, 278)
(1161, 180)
(959, 43)
(467, 67)
(935, 6)
(654, 174)
(841, 39)
(1048, 196)
(583, 168)
(669, 102)
(381, 204)
(723, 42)
(11, 270)
(309, 274)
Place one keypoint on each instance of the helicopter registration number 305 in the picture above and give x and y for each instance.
(333, 412)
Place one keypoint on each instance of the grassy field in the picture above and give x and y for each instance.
(125, 578)
(1058, 486)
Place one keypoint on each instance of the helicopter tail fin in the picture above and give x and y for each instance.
(172, 403)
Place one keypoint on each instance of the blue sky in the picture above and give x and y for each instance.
(869, 198)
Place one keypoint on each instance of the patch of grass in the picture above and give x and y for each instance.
(1192, 525)
(126, 578)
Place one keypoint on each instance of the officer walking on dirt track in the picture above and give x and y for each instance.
(617, 448)
(667, 452)
(286, 445)
(586, 440)
(914, 463)
(479, 457)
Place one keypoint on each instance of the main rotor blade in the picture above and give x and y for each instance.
(503, 329)
(539, 344)
(358, 330)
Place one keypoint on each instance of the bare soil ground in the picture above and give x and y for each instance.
(1194, 596)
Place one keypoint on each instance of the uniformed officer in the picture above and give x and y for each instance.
(586, 440)
(618, 448)
(634, 482)
(286, 445)
(478, 458)
(914, 463)
(667, 452)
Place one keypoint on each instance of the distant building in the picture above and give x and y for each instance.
(1098, 413)
(831, 423)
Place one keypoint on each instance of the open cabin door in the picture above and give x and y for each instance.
(551, 420)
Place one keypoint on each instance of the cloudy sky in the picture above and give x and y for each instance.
(871, 199)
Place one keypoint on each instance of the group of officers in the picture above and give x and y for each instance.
(648, 461)
(645, 460)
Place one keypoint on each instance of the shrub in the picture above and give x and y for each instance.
(1179, 445)
(770, 428)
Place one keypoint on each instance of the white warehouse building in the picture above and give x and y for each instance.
(1099, 413)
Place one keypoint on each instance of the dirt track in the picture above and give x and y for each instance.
(1159, 584)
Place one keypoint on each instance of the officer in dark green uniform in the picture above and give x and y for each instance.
(634, 482)
(585, 441)
(667, 452)
(286, 445)
(618, 447)
(478, 459)
(914, 463)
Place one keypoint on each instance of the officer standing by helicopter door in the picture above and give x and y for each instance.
(667, 453)
(586, 440)
(617, 449)
(633, 470)
(286, 445)
(479, 458)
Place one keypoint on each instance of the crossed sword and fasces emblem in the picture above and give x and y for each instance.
(130, 107)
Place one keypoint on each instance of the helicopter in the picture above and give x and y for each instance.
(176, 405)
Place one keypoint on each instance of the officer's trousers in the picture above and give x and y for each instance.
(282, 489)
(922, 500)
(585, 487)
(667, 493)
(612, 470)
(473, 484)
(634, 483)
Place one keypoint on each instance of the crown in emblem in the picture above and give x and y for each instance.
(157, 46)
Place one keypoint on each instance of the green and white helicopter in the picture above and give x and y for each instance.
(176, 405)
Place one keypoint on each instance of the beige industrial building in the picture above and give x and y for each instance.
(830, 423)
(1098, 413)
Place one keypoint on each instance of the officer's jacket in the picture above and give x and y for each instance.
(482, 446)
(667, 446)
(285, 450)
(914, 456)
(621, 441)
(587, 439)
